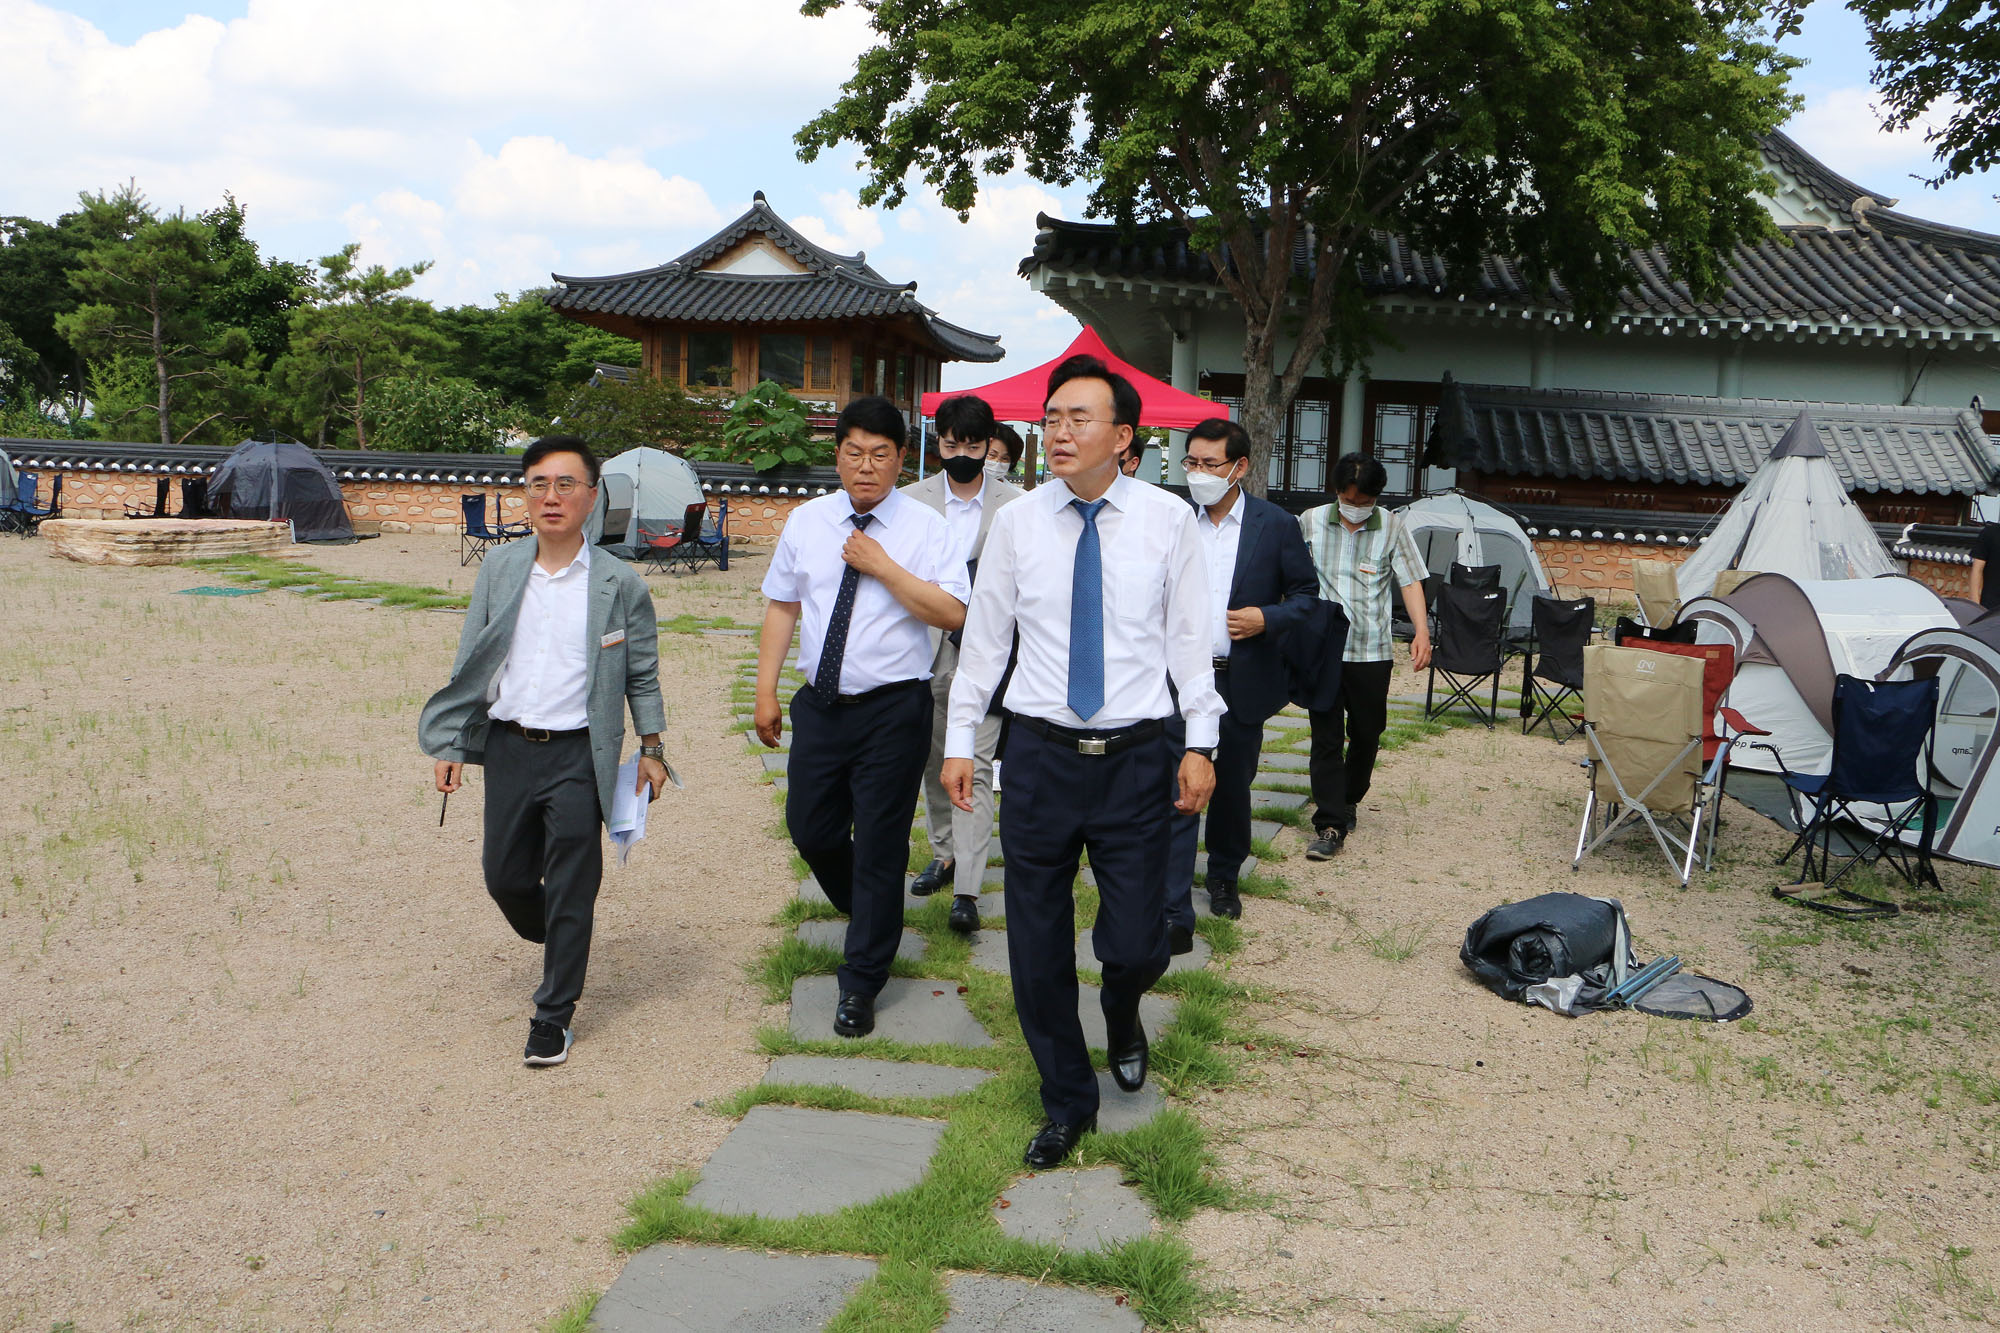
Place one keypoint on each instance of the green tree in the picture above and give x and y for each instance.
(525, 351)
(144, 318)
(35, 262)
(1931, 54)
(1565, 135)
(616, 415)
(248, 291)
(363, 330)
(766, 428)
(425, 414)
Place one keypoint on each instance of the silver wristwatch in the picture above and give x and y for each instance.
(658, 752)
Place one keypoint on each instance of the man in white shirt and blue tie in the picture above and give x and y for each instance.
(864, 575)
(1105, 580)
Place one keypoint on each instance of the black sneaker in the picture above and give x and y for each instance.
(1325, 842)
(548, 1044)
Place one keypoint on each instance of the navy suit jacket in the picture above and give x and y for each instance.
(1274, 572)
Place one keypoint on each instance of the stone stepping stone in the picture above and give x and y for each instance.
(1076, 1210)
(996, 877)
(1193, 960)
(701, 1288)
(1288, 721)
(916, 1010)
(811, 892)
(1260, 798)
(1286, 761)
(714, 633)
(1119, 1110)
(1156, 1014)
(1266, 829)
(777, 763)
(833, 935)
(1249, 866)
(789, 1161)
(989, 951)
(982, 1304)
(876, 1078)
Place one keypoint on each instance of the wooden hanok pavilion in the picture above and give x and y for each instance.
(758, 301)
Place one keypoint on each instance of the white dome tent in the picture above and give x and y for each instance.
(1793, 518)
(1451, 525)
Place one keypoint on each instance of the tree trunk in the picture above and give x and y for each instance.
(360, 431)
(160, 369)
(1265, 411)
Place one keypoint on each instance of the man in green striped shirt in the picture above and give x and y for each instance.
(1362, 551)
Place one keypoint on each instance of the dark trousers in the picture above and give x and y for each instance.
(1339, 783)
(544, 855)
(850, 795)
(1058, 805)
(1236, 755)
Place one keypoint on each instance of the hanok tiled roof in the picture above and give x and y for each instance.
(1875, 268)
(833, 286)
(1662, 438)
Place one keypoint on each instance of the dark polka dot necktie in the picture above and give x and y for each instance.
(827, 679)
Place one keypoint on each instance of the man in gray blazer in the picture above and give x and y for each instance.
(968, 496)
(557, 642)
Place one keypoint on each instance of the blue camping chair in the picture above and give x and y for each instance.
(28, 516)
(474, 535)
(1880, 731)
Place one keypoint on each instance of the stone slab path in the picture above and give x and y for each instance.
(791, 1161)
(833, 935)
(915, 1011)
(706, 1289)
(876, 1078)
(1077, 1210)
(981, 1304)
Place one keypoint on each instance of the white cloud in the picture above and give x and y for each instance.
(536, 181)
(852, 227)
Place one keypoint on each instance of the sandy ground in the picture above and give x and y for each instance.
(260, 1026)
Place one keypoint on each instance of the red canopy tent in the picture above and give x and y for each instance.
(1020, 397)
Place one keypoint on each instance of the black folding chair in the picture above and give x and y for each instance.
(1468, 650)
(1552, 668)
(160, 485)
(1881, 729)
(194, 498)
(12, 513)
(1481, 578)
(1628, 630)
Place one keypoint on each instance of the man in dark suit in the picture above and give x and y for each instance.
(1261, 587)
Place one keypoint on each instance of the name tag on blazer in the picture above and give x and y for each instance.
(612, 640)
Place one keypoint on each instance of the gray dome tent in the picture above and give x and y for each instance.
(281, 481)
(641, 487)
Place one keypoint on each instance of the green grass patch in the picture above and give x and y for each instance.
(686, 623)
(269, 573)
(574, 1317)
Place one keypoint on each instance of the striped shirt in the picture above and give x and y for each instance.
(1362, 571)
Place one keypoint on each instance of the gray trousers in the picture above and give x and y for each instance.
(957, 836)
(544, 855)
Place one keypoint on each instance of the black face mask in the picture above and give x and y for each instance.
(962, 469)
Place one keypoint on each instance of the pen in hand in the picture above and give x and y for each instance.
(441, 808)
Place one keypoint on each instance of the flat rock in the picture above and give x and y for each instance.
(833, 935)
(789, 1161)
(1288, 800)
(1156, 1012)
(1194, 960)
(989, 951)
(981, 1304)
(1266, 829)
(915, 1010)
(1119, 1110)
(1249, 866)
(777, 763)
(158, 541)
(811, 892)
(1076, 1210)
(1286, 760)
(702, 1289)
(1288, 721)
(876, 1078)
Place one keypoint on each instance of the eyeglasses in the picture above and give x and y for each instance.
(1193, 464)
(879, 458)
(1074, 422)
(563, 486)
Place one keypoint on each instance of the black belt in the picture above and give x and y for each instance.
(875, 693)
(537, 734)
(1094, 742)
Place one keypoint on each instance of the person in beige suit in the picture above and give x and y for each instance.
(968, 496)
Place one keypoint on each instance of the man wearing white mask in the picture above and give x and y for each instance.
(1361, 551)
(1261, 583)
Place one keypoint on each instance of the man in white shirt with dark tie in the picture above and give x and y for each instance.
(1105, 580)
(864, 575)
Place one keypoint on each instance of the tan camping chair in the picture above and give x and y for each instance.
(1656, 583)
(1729, 580)
(1643, 721)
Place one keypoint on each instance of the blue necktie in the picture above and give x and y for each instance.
(1086, 617)
(826, 680)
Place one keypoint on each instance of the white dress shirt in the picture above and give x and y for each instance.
(962, 517)
(1221, 539)
(1156, 615)
(545, 681)
(885, 643)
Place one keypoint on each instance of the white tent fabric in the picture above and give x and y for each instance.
(7, 482)
(1452, 526)
(1968, 665)
(648, 487)
(1793, 518)
(1779, 676)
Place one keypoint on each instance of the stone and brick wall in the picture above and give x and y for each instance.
(1600, 568)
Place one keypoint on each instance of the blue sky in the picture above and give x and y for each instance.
(506, 139)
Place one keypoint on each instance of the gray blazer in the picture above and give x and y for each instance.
(453, 724)
(931, 491)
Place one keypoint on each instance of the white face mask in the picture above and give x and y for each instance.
(1206, 488)
(996, 467)
(1356, 513)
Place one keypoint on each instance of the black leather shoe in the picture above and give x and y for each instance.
(932, 878)
(1055, 1141)
(854, 1016)
(1222, 901)
(1127, 1050)
(1180, 940)
(964, 913)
